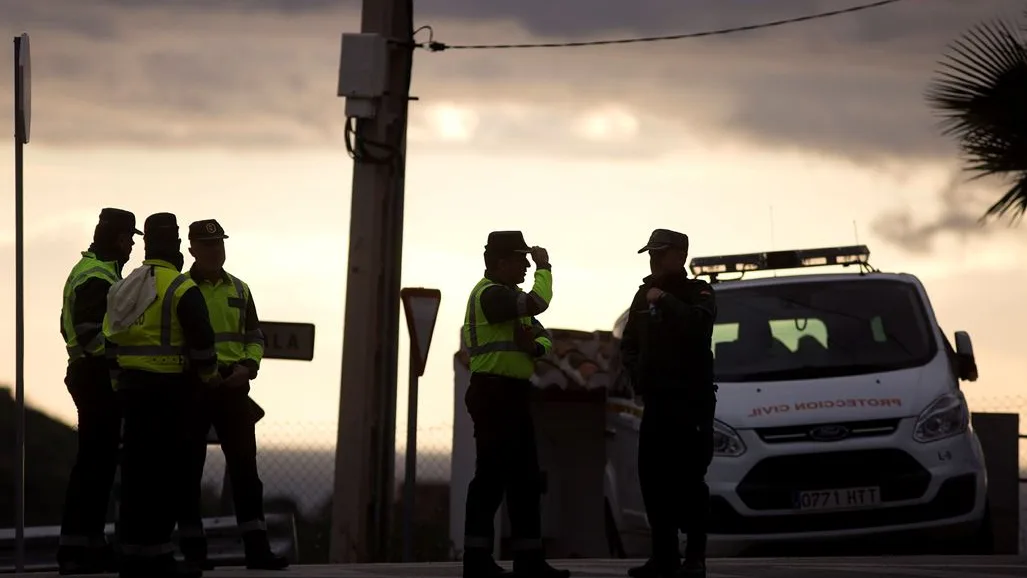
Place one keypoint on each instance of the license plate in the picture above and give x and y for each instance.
(840, 499)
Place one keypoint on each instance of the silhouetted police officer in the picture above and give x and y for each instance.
(240, 348)
(666, 348)
(83, 547)
(157, 328)
(503, 339)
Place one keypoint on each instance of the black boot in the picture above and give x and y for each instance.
(194, 550)
(258, 552)
(158, 567)
(107, 557)
(73, 560)
(532, 564)
(695, 556)
(693, 568)
(654, 568)
(481, 564)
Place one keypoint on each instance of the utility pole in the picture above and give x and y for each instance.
(365, 450)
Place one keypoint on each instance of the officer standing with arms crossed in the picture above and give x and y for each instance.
(83, 548)
(503, 339)
(240, 347)
(157, 329)
(666, 348)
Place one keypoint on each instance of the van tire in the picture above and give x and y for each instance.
(613, 540)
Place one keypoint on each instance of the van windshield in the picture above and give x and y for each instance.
(807, 330)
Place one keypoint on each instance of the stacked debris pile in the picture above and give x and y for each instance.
(580, 360)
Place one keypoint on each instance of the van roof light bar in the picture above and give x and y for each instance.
(778, 260)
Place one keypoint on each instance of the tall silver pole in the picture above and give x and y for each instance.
(19, 312)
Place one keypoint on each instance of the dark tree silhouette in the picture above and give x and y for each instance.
(981, 92)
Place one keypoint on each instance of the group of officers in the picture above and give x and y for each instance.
(666, 352)
(155, 359)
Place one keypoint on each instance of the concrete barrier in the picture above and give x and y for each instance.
(999, 434)
(223, 538)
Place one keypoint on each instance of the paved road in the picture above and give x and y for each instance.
(920, 567)
(722, 568)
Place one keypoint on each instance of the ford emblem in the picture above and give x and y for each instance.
(829, 433)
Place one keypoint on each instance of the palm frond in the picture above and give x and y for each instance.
(981, 93)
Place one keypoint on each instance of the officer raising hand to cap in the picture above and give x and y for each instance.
(503, 340)
(240, 348)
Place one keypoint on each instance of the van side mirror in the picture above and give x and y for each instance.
(965, 357)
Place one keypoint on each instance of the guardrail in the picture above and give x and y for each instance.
(225, 547)
(224, 541)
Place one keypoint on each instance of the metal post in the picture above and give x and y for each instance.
(410, 470)
(365, 447)
(19, 327)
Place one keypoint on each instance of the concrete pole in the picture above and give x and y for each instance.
(365, 450)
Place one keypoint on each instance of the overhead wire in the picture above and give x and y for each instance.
(359, 148)
(434, 46)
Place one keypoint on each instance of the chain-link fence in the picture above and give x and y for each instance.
(298, 475)
(299, 478)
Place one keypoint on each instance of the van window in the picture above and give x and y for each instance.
(807, 330)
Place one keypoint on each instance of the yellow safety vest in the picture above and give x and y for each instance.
(227, 300)
(155, 342)
(491, 346)
(88, 267)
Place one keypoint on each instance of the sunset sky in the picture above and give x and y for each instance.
(780, 138)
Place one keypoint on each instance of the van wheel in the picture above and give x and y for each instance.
(612, 534)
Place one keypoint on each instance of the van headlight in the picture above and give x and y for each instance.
(726, 441)
(945, 417)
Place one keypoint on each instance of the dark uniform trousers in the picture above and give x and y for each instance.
(99, 431)
(230, 412)
(507, 463)
(151, 468)
(675, 448)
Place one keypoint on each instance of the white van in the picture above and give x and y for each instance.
(839, 411)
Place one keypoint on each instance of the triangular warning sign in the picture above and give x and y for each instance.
(422, 309)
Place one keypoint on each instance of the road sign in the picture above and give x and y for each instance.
(23, 83)
(422, 309)
(288, 340)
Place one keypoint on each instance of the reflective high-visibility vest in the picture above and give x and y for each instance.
(491, 346)
(227, 300)
(155, 342)
(88, 267)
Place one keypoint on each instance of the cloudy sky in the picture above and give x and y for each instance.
(805, 135)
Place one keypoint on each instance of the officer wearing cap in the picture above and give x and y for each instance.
(83, 548)
(240, 347)
(503, 340)
(157, 329)
(666, 349)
